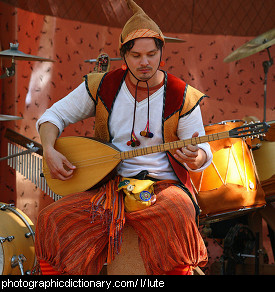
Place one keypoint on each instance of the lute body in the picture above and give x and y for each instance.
(93, 160)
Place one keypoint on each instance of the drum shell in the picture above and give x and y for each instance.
(229, 186)
(12, 224)
(265, 163)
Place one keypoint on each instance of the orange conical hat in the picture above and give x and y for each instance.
(140, 25)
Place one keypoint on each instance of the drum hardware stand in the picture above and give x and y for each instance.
(28, 234)
(4, 207)
(15, 54)
(10, 71)
(30, 150)
(8, 238)
(238, 243)
(266, 66)
(258, 251)
(18, 261)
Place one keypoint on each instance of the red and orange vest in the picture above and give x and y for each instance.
(179, 100)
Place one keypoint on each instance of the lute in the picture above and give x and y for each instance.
(95, 160)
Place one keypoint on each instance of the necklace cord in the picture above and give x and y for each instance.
(146, 133)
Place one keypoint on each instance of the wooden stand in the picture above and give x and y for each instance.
(129, 261)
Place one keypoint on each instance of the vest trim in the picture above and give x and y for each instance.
(88, 89)
(111, 88)
(197, 103)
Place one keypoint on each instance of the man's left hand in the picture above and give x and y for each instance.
(192, 155)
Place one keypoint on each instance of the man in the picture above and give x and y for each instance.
(137, 106)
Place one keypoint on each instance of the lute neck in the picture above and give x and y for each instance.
(173, 145)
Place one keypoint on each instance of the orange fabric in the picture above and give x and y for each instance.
(141, 33)
(73, 242)
(139, 25)
(108, 203)
(47, 269)
(181, 270)
(68, 240)
(167, 230)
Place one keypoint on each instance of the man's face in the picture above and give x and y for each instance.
(143, 59)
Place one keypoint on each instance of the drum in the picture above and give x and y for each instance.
(228, 187)
(17, 255)
(263, 152)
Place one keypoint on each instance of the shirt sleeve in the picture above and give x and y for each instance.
(187, 126)
(74, 107)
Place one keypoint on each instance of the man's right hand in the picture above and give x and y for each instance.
(59, 166)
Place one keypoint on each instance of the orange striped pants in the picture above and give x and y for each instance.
(168, 235)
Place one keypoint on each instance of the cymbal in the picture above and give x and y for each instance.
(173, 40)
(14, 53)
(252, 47)
(9, 118)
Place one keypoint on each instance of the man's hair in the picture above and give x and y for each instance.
(129, 45)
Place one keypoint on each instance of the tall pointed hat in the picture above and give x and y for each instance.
(140, 25)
